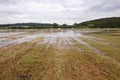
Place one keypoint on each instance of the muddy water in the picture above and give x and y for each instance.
(59, 38)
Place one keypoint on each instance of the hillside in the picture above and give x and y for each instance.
(113, 22)
(33, 26)
(26, 25)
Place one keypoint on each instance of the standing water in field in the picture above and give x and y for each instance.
(52, 37)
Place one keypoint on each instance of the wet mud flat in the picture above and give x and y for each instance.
(66, 54)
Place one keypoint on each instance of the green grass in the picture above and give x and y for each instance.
(108, 44)
(30, 61)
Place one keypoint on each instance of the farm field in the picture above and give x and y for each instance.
(60, 54)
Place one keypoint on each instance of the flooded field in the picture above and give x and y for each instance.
(60, 54)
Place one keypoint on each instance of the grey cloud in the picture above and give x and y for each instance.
(60, 11)
(8, 2)
(106, 6)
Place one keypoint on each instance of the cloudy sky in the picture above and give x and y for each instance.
(59, 11)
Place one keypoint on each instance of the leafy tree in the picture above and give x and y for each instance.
(64, 25)
(55, 25)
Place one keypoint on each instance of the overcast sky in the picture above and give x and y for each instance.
(59, 11)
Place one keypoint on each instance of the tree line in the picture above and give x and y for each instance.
(113, 22)
(34, 26)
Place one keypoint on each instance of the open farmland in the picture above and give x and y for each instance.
(56, 54)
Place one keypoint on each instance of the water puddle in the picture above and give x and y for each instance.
(59, 38)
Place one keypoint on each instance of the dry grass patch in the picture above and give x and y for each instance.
(36, 40)
(110, 50)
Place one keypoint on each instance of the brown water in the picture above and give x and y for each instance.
(50, 36)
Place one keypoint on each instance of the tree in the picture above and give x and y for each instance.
(55, 25)
(64, 25)
(76, 25)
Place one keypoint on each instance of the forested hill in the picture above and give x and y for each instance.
(26, 25)
(113, 22)
(33, 26)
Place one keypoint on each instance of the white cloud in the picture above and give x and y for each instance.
(67, 11)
